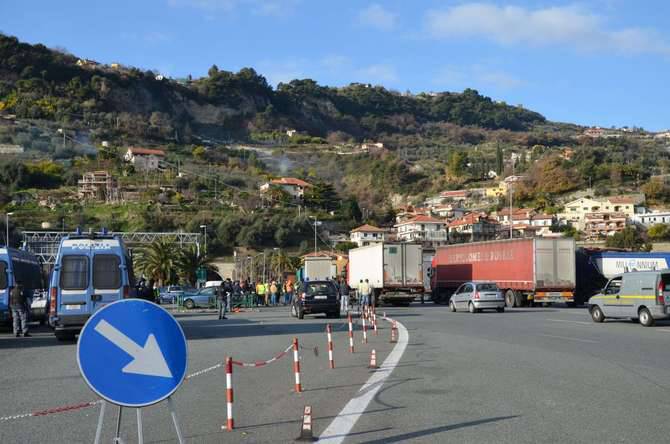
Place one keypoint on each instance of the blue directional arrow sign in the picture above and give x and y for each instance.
(132, 353)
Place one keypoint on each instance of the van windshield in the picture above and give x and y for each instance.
(74, 273)
(106, 272)
(3, 275)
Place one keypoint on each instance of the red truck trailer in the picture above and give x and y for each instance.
(526, 270)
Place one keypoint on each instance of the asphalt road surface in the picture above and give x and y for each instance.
(523, 376)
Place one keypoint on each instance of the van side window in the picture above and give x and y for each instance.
(614, 287)
(3, 275)
(106, 272)
(74, 273)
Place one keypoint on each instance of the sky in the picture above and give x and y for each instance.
(597, 62)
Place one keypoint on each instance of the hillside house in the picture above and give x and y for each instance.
(367, 235)
(294, 187)
(599, 225)
(6, 148)
(423, 228)
(144, 159)
(652, 218)
(575, 212)
(448, 211)
(473, 227)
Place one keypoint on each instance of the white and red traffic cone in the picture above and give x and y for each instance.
(394, 333)
(373, 359)
(306, 433)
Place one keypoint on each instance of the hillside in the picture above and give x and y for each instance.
(37, 82)
(226, 134)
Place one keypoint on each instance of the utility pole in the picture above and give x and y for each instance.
(511, 198)
(7, 228)
(316, 222)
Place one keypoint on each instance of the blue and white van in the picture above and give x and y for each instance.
(17, 266)
(91, 271)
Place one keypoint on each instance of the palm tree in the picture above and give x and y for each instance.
(157, 261)
(187, 263)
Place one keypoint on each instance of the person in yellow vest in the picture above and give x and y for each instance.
(260, 293)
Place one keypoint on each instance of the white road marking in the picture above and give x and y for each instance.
(571, 322)
(666, 330)
(588, 341)
(340, 427)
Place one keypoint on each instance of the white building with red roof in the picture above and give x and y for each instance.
(367, 235)
(144, 159)
(294, 187)
(423, 228)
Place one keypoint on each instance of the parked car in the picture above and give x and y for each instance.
(317, 297)
(477, 296)
(643, 295)
(203, 298)
(170, 294)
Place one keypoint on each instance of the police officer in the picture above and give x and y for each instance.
(19, 306)
(221, 301)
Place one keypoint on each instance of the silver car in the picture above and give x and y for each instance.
(477, 296)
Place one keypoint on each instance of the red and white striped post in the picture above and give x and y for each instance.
(394, 333)
(351, 335)
(329, 330)
(365, 332)
(374, 322)
(229, 394)
(296, 365)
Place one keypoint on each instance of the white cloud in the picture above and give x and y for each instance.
(376, 16)
(378, 74)
(563, 25)
(457, 78)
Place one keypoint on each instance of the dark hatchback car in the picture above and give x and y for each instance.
(317, 297)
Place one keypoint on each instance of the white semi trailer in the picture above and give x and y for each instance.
(393, 270)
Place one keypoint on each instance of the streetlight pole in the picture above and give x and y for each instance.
(7, 228)
(204, 230)
(315, 224)
(264, 277)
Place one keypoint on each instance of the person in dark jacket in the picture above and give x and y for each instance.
(18, 303)
(221, 301)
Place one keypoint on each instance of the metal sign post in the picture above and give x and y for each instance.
(132, 353)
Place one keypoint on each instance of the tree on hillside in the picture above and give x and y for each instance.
(321, 195)
(659, 232)
(457, 164)
(351, 211)
(630, 239)
(500, 165)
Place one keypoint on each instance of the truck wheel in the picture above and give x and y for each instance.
(510, 299)
(646, 318)
(597, 314)
(452, 306)
(471, 308)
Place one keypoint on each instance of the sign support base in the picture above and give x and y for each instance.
(140, 432)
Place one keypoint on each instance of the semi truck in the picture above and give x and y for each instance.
(526, 270)
(393, 270)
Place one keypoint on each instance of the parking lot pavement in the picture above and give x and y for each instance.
(529, 375)
(41, 373)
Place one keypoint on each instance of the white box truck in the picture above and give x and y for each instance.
(393, 270)
(319, 268)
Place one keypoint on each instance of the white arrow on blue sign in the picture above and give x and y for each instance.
(132, 353)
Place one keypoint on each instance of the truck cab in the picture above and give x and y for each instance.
(91, 271)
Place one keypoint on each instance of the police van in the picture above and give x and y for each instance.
(91, 271)
(643, 295)
(17, 266)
